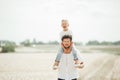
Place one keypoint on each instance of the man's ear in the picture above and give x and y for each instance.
(71, 43)
(61, 43)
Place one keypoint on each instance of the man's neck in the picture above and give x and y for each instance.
(67, 51)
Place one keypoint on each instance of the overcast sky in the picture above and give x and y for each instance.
(41, 19)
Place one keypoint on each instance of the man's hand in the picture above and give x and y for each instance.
(79, 65)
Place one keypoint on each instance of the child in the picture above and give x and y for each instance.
(66, 31)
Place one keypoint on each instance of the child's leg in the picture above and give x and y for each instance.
(59, 54)
(58, 57)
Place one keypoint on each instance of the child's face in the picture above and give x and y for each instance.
(64, 24)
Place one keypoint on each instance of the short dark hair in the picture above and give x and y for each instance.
(67, 36)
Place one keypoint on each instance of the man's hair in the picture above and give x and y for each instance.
(67, 36)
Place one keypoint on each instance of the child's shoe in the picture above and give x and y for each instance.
(55, 67)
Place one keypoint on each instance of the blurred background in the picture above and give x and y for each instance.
(29, 37)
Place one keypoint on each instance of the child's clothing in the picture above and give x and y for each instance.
(68, 32)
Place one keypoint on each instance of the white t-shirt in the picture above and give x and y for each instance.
(66, 69)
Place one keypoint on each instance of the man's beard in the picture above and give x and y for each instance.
(67, 47)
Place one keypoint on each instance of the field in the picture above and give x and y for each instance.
(35, 63)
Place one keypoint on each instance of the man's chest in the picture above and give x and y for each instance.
(67, 60)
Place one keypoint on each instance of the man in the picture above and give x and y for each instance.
(67, 69)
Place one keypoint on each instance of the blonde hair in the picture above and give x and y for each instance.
(64, 20)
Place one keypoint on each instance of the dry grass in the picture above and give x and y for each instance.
(37, 65)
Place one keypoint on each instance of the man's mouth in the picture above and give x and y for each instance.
(64, 26)
(67, 47)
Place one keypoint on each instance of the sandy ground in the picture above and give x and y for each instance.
(38, 66)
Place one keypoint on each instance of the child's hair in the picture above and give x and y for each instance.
(64, 20)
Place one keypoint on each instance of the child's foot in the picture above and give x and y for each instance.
(55, 67)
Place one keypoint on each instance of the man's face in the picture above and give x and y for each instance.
(66, 43)
(64, 24)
